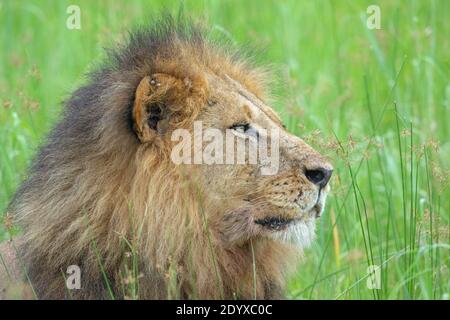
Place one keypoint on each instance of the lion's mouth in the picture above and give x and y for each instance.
(284, 222)
(278, 223)
(275, 223)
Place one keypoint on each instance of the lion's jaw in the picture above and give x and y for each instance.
(301, 232)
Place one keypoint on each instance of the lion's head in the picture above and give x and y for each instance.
(118, 169)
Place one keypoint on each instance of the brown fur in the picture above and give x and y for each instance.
(104, 185)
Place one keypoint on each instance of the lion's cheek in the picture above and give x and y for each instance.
(237, 227)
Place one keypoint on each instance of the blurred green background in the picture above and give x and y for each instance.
(375, 101)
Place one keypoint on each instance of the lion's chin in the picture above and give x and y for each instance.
(300, 233)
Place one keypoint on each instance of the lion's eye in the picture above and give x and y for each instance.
(245, 128)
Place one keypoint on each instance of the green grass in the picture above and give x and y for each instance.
(375, 101)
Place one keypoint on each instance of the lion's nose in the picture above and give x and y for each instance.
(319, 176)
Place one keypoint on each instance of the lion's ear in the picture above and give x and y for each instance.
(150, 113)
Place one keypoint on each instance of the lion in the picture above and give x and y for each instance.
(105, 195)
